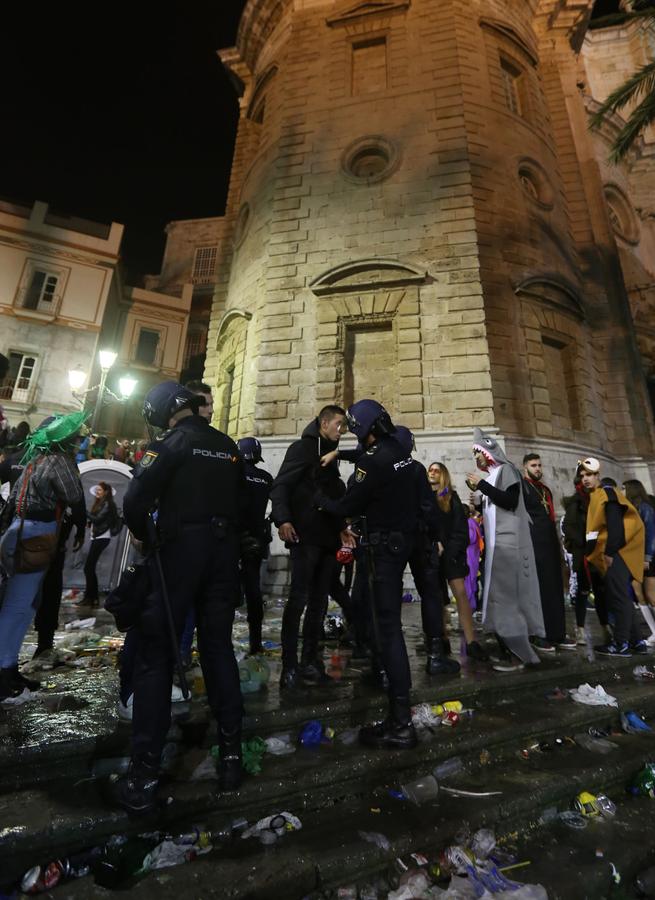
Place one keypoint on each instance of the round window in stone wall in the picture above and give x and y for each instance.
(621, 215)
(243, 221)
(535, 183)
(370, 159)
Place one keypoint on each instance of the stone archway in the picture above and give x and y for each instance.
(228, 385)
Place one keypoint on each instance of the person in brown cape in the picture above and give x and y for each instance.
(615, 547)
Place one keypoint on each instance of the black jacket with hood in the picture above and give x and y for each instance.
(298, 483)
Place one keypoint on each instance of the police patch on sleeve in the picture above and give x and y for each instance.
(148, 459)
(360, 475)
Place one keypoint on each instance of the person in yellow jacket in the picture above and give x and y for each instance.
(615, 547)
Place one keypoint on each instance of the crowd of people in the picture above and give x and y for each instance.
(197, 511)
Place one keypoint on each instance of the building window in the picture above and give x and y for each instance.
(513, 87)
(147, 347)
(196, 345)
(559, 364)
(204, 265)
(370, 159)
(621, 215)
(20, 381)
(369, 66)
(535, 183)
(41, 292)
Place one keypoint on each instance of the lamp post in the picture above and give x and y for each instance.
(107, 360)
(77, 377)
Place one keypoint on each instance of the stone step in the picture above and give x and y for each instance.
(328, 851)
(67, 815)
(76, 725)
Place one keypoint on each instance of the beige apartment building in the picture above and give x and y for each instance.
(418, 213)
(61, 301)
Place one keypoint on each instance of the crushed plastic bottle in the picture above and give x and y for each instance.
(374, 837)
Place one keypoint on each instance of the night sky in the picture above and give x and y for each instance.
(132, 121)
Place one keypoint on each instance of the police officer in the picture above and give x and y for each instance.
(424, 564)
(386, 491)
(255, 541)
(194, 476)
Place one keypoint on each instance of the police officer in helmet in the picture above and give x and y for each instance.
(386, 491)
(193, 475)
(256, 538)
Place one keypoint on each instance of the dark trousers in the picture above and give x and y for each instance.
(251, 584)
(311, 575)
(388, 592)
(424, 566)
(618, 581)
(98, 546)
(47, 615)
(361, 604)
(339, 593)
(584, 586)
(548, 559)
(200, 569)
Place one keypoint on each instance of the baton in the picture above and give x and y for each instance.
(169, 612)
(370, 572)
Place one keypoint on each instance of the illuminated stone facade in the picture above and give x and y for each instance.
(418, 212)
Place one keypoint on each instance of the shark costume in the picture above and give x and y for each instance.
(511, 600)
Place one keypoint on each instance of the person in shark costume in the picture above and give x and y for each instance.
(511, 601)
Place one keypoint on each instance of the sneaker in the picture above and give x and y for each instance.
(650, 641)
(176, 694)
(542, 644)
(640, 647)
(508, 665)
(125, 709)
(580, 638)
(620, 650)
(567, 644)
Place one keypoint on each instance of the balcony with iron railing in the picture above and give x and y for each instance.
(17, 390)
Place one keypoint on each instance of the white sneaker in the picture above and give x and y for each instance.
(651, 640)
(176, 694)
(125, 709)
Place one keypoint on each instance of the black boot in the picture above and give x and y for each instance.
(230, 768)
(136, 791)
(8, 686)
(476, 651)
(22, 682)
(312, 668)
(396, 732)
(438, 663)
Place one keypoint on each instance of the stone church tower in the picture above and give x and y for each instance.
(418, 213)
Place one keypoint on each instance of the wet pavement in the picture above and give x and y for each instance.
(56, 749)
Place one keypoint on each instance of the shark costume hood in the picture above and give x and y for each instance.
(511, 599)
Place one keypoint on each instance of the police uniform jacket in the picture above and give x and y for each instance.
(194, 473)
(258, 483)
(389, 489)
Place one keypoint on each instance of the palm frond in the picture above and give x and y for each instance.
(643, 81)
(641, 117)
(623, 18)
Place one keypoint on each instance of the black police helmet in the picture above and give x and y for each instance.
(250, 449)
(369, 417)
(166, 399)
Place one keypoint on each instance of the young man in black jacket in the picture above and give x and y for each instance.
(312, 539)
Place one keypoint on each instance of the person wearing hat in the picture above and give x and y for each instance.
(574, 528)
(615, 546)
(47, 485)
(193, 475)
(386, 490)
(255, 540)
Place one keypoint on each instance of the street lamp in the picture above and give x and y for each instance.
(107, 359)
(76, 378)
(126, 386)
